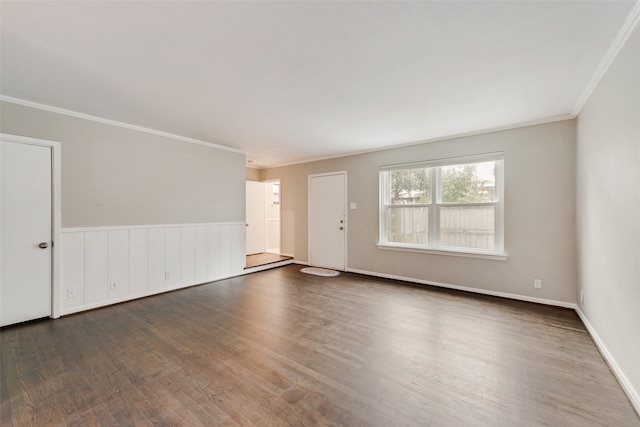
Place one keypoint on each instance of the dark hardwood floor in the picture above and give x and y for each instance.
(281, 347)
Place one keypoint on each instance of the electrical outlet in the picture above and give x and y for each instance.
(537, 283)
(114, 286)
(71, 292)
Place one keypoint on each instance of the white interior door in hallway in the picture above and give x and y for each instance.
(327, 220)
(25, 232)
(272, 216)
(255, 217)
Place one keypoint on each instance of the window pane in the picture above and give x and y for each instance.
(409, 186)
(468, 227)
(407, 225)
(469, 183)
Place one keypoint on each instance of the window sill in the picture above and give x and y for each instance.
(451, 252)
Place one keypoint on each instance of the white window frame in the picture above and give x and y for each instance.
(433, 241)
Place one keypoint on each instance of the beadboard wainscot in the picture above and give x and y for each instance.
(107, 265)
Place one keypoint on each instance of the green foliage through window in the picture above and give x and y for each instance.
(410, 186)
(461, 184)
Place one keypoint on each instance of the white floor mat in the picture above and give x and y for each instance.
(320, 271)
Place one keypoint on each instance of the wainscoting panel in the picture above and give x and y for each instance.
(214, 251)
(155, 259)
(95, 267)
(106, 265)
(202, 254)
(172, 257)
(225, 244)
(188, 255)
(238, 246)
(117, 264)
(137, 262)
(71, 272)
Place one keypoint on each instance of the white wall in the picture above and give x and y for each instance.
(608, 213)
(117, 176)
(539, 213)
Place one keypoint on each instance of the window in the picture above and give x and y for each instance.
(453, 205)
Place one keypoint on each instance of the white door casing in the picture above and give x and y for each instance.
(255, 217)
(327, 220)
(29, 217)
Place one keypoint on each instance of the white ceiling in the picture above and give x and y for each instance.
(292, 81)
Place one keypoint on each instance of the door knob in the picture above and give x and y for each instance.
(43, 245)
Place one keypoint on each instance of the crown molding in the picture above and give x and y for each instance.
(630, 25)
(518, 125)
(76, 114)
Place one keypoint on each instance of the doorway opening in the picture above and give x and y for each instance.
(263, 223)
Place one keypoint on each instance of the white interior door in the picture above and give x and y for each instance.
(25, 232)
(327, 220)
(255, 217)
(272, 216)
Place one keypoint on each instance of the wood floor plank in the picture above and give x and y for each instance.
(281, 347)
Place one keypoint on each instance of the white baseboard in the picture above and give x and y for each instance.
(113, 301)
(631, 393)
(296, 261)
(467, 289)
(267, 266)
(108, 265)
(76, 310)
(107, 303)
